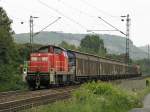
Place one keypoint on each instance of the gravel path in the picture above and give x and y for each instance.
(146, 107)
(147, 101)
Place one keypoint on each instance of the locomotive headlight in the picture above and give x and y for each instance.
(34, 59)
(44, 59)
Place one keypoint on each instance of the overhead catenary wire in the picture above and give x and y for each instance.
(76, 9)
(112, 26)
(20, 20)
(100, 30)
(86, 15)
(59, 12)
(72, 20)
(99, 10)
(47, 26)
(82, 12)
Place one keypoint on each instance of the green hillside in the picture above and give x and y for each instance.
(114, 44)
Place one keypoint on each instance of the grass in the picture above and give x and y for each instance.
(12, 86)
(97, 97)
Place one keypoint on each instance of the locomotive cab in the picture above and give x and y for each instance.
(49, 65)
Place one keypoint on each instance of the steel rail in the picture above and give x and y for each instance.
(43, 98)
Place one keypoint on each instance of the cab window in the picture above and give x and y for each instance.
(43, 50)
(57, 50)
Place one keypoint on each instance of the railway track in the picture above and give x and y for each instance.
(28, 99)
(4, 96)
(14, 101)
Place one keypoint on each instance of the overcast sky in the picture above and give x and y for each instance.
(78, 16)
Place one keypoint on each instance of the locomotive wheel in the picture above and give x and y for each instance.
(32, 87)
(37, 84)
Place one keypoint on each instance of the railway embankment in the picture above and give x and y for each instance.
(102, 97)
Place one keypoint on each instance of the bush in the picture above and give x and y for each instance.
(10, 79)
(110, 98)
(96, 97)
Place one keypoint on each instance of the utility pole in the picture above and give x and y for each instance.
(127, 55)
(31, 32)
(127, 39)
(148, 53)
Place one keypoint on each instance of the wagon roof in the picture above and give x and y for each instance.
(95, 56)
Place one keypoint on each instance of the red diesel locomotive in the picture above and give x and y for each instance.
(47, 66)
(53, 65)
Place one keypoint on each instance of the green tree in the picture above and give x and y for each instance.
(9, 57)
(8, 52)
(24, 51)
(93, 44)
